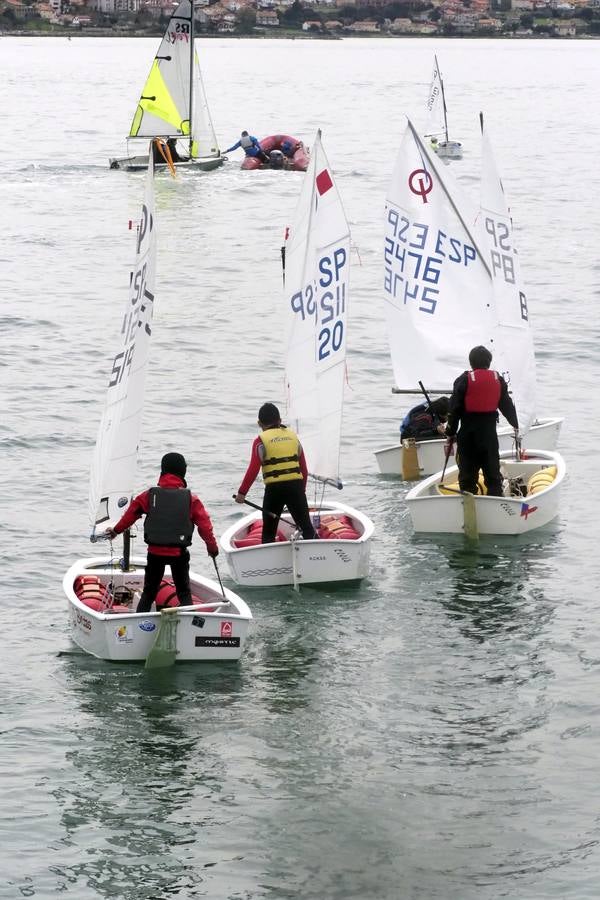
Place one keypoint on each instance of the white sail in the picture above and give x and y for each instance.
(514, 353)
(204, 139)
(115, 456)
(436, 124)
(437, 283)
(316, 295)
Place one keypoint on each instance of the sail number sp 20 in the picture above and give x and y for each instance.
(325, 301)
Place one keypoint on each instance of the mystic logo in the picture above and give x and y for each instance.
(147, 626)
(226, 629)
(527, 510)
(217, 642)
(420, 182)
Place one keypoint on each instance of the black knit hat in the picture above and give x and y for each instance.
(480, 358)
(268, 414)
(173, 464)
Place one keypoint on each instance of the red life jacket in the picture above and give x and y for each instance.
(483, 391)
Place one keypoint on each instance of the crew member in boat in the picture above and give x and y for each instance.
(171, 512)
(477, 396)
(251, 147)
(278, 452)
(426, 422)
(160, 155)
(288, 148)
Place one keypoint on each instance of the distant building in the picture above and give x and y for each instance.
(267, 17)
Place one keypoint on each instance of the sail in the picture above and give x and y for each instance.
(115, 456)
(514, 352)
(204, 139)
(436, 124)
(437, 283)
(164, 106)
(316, 295)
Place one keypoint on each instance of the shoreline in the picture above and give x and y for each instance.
(287, 35)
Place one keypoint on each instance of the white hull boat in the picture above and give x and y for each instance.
(214, 629)
(437, 119)
(516, 513)
(430, 454)
(292, 560)
(452, 281)
(173, 104)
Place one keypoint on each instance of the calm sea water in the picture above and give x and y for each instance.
(429, 735)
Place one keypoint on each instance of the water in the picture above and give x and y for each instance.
(430, 734)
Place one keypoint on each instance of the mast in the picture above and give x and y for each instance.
(191, 140)
(443, 98)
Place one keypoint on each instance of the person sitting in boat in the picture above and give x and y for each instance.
(425, 422)
(160, 153)
(171, 512)
(288, 148)
(251, 147)
(477, 396)
(278, 452)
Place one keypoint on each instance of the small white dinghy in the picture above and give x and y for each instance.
(452, 281)
(102, 592)
(437, 119)
(532, 486)
(173, 103)
(317, 259)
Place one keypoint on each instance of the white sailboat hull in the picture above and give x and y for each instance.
(202, 636)
(139, 163)
(297, 562)
(431, 511)
(449, 149)
(430, 454)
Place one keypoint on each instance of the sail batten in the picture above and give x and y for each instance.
(317, 296)
(114, 462)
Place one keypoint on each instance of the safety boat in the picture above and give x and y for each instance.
(532, 488)
(452, 281)
(279, 147)
(316, 297)
(102, 592)
(173, 105)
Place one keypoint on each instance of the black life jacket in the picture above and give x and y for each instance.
(168, 522)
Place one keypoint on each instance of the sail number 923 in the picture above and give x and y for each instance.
(325, 301)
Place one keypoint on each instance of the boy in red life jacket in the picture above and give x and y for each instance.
(476, 398)
(171, 512)
(278, 452)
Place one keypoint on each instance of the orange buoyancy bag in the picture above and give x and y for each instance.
(338, 527)
(253, 536)
(483, 391)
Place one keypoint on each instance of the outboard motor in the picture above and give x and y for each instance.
(277, 159)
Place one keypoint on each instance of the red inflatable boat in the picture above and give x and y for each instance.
(285, 152)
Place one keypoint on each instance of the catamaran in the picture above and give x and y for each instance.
(451, 282)
(173, 105)
(437, 119)
(316, 295)
(102, 591)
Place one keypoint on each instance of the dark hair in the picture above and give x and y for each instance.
(268, 414)
(244, 133)
(480, 358)
(440, 407)
(173, 464)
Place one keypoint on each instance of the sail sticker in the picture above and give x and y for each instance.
(323, 182)
(527, 510)
(226, 629)
(420, 186)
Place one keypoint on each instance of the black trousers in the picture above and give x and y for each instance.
(477, 445)
(292, 495)
(155, 569)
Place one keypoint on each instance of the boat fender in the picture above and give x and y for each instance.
(541, 479)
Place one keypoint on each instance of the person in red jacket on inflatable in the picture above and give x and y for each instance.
(171, 512)
(477, 396)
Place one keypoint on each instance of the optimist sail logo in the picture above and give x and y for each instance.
(420, 183)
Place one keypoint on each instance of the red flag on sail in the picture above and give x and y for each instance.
(323, 182)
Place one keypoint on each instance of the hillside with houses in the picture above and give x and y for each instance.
(308, 18)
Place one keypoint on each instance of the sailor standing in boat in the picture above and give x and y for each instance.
(278, 452)
(171, 512)
(477, 396)
(251, 147)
